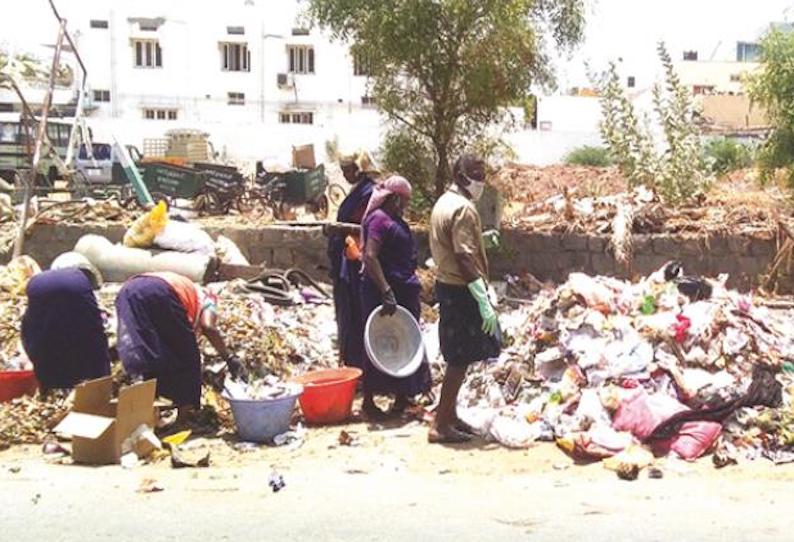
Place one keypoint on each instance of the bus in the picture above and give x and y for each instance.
(17, 142)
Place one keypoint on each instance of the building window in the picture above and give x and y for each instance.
(362, 65)
(305, 117)
(690, 56)
(368, 101)
(147, 54)
(736, 78)
(235, 57)
(235, 30)
(301, 58)
(151, 113)
(632, 82)
(98, 23)
(101, 95)
(300, 31)
(748, 52)
(236, 98)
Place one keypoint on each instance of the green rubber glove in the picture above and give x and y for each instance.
(490, 239)
(480, 293)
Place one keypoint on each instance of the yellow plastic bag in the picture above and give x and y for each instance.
(143, 231)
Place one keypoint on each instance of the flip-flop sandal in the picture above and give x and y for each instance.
(463, 427)
(458, 438)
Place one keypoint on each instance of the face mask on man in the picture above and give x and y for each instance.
(475, 188)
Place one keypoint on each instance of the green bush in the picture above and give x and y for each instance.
(403, 154)
(725, 155)
(589, 155)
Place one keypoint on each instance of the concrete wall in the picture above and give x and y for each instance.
(554, 256)
(281, 247)
(547, 256)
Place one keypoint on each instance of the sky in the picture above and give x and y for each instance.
(630, 29)
(616, 29)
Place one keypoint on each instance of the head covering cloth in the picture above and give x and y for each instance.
(393, 185)
(361, 159)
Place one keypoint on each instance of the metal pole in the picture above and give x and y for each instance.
(41, 133)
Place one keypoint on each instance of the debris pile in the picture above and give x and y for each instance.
(525, 184)
(29, 420)
(270, 340)
(671, 362)
(13, 280)
(84, 211)
(723, 210)
(269, 388)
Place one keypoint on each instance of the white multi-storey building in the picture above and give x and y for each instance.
(246, 72)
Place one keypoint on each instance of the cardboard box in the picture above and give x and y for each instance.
(303, 157)
(99, 425)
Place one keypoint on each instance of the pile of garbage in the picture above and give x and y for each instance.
(270, 340)
(268, 388)
(29, 420)
(13, 280)
(672, 363)
(725, 209)
(526, 184)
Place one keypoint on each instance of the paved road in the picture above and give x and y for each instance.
(328, 500)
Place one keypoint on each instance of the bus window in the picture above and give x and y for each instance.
(66, 131)
(101, 151)
(53, 133)
(8, 132)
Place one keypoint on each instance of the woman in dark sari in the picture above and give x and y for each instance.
(160, 316)
(345, 268)
(62, 330)
(390, 279)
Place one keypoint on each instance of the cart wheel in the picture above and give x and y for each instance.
(280, 210)
(208, 203)
(321, 208)
(127, 198)
(246, 202)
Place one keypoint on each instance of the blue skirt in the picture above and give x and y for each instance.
(62, 330)
(349, 321)
(155, 339)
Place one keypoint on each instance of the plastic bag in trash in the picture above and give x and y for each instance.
(143, 231)
(593, 292)
(515, 433)
(229, 252)
(185, 237)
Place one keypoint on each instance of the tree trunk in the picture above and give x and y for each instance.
(442, 168)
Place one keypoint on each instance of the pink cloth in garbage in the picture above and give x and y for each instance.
(641, 413)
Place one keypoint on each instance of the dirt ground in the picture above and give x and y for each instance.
(390, 485)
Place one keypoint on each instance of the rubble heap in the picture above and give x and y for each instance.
(674, 363)
(274, 341)
(29, 420)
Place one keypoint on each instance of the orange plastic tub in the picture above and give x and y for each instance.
(15, 384)
(328, 395)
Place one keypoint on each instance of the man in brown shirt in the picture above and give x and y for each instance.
(468, 326)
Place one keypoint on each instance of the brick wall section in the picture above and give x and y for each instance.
(548, 256)
(280, 247)
(551, 256)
